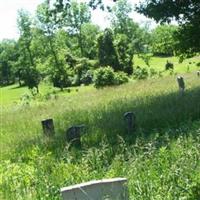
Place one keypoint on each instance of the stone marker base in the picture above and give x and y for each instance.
(106, 189)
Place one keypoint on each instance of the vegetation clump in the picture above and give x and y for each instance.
(105, 76)
(169, 65)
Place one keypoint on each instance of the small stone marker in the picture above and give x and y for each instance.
(106, 189)
(129, 117)
(198, 73)
(73, 134)
(48, 127)
(181, 84)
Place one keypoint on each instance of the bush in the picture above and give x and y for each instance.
(104, 76)
(60, 78)
(169, 65)
(120, 78)
(140, 73)
(86, 78)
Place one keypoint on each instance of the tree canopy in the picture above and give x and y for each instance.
(186, 13)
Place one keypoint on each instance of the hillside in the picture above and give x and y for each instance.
(160, 159)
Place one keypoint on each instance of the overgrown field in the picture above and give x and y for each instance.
(161, 159)
(13, 93)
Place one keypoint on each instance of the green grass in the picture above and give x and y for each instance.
(11, 95)
(160, 160)
(158, 63)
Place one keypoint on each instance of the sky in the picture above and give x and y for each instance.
(9, 8)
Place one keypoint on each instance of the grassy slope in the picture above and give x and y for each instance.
(12, 94)
(158, 63)
(161, 162)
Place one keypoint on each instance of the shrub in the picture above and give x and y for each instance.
(32, 78)
(120, 78)
(104, 76)
(60, 78)
(127, 68)
(169, 65)
(86, 78)
(198, 64)
(140, 73)
(93, 64)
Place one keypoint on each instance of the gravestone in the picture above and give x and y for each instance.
(130, 119)
(181, 84)
(198, 73)
(48, 127)
(73, 134)
(106, 189)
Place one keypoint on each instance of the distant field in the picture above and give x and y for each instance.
(158, 63)
(12, 94)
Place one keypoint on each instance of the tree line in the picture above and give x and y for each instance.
(62, 45)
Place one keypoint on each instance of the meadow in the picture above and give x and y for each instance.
(161, 159)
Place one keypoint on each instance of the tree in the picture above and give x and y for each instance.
(186, 13)
(24, 25)
(48, 23)
(106, 51)
(78, 15)
(90, 34)
(125, 53)
(8, 58)
(26, 62)
(163, 40)
(129, 37)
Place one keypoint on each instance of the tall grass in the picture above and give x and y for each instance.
(160, 160)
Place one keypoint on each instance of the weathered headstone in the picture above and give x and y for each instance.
(73, 134)
(107, 189)
(48, 127)
(130, 119)
(181, 84)
(198, 73)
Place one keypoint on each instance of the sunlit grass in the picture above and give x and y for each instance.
(159, 159)
(158, 63)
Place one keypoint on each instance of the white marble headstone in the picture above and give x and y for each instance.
(106, 189)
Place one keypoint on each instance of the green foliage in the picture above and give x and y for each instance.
(78, 14)
(120, 78)
(89, 40)
(140, 73)
(8, 59)
(106, 51)
(124, 53)
(165, 156)
(32, 78)
(146, 58)
(87, 77)
(169, 65)
(104, 76)
(61, 78)
(163, 40)
(186, 14)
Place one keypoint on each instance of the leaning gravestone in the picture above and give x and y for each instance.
(107, 189)
(181, 84)
(130, 119)
(73, 134)
(48, 127)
